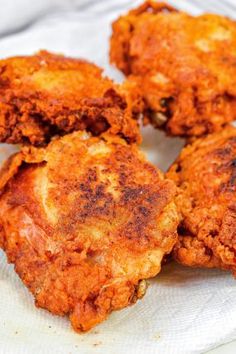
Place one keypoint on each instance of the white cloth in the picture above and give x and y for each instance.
(185, 310)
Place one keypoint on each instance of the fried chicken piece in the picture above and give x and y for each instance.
(46, 94)
(85, 221)
(205, 172)
(183, 65)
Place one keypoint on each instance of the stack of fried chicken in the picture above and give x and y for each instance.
(84, 217)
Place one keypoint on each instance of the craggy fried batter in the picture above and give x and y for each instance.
(185, 66)
(205, 172)
(85, 221)
(47, 94)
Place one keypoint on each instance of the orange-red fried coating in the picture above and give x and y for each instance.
(205, 172)
(46, 94)
(185, 66)
(85, 221)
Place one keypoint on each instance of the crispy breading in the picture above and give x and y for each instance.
(184, 66)
(205, 172)
(47, 94)
(85, 221)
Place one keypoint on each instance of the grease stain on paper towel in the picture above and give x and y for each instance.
(157, 336)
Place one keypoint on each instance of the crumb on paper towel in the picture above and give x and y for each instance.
(97, 343)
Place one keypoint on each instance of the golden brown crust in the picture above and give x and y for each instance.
(84, 221)
(9, 169)
(47, 94)
(183, 65)
(205, 172)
